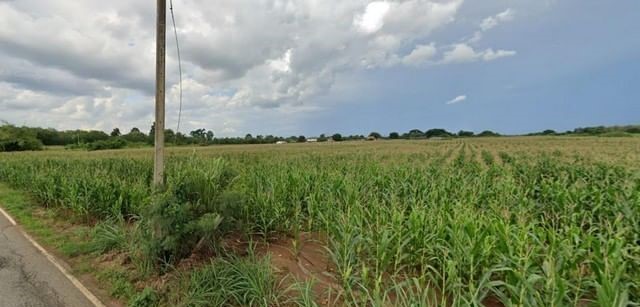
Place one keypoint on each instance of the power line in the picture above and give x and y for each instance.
(175, 32)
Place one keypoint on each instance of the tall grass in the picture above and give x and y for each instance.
(455, 224)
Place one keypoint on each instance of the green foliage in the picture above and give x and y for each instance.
(437, 133)
(441, 223)
(20, 144)
(232, 282)
(18, 139)
(191, 212)
(108, 235)
(147, 298)
(487, 133)
(115, 143)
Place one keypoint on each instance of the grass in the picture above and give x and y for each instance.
(535, 221)
(71, 241)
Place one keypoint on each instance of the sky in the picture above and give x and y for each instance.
(291, 67)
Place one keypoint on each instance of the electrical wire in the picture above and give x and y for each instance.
(175, 32)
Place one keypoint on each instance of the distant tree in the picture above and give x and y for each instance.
(463, 133)
(92, 136)
(152, 132)
(270, 139)
(18, 139)
(210, 136)
(301, 139)
(394, 135)
(415, 133)
(633, 129)
(548, 132)
(136, 136)
(337, 137)
(169, 136)
(375, 135)
(115, 132)
(437, 133)
(488, 133)
(181, 139)
(199, 136)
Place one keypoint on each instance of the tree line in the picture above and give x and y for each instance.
(13, 138)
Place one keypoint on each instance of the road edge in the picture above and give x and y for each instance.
(76, 283)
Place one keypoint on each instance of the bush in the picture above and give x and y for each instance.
(192, 213)
(147, 298)
(20, 144)
(116, 143)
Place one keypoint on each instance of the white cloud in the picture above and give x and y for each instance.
(373, 18)
(463, 53)
(490, 55)
(460, 53)
(458, 99)
(93, 61)
(492, 21)
(420, 55)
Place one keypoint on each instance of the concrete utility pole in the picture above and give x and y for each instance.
(161, 26)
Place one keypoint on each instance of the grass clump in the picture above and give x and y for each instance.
(234, 281)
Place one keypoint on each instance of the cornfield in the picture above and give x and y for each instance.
(499, 222)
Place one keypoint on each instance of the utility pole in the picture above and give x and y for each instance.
(161, 26)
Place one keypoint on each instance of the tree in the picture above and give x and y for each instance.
(337, 137)
(463, 133)
(210, 136)
(634, 129)
(169, 136)
(488, 133)
(394, 135)
(415, 133)
(375, 135)
(437, 133)
(136, 136)
(248, 136)
(301, 139)
(115, 132)
(199, 136)
(198, 133)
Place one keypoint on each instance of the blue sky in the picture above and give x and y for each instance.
(310, 67)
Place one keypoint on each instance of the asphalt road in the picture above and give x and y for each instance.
(28, 278)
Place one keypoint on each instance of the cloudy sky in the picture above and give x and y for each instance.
(290, 67)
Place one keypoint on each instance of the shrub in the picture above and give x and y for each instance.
(20, 144)
(191, 213)
(116, 143)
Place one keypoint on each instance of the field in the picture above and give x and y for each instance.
(527, 221)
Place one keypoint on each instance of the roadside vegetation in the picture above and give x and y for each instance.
(467, 222)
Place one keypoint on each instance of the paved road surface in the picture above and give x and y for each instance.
(28, 279)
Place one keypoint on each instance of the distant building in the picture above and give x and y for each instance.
(372, 138)
(281, 142)
(312, 140)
